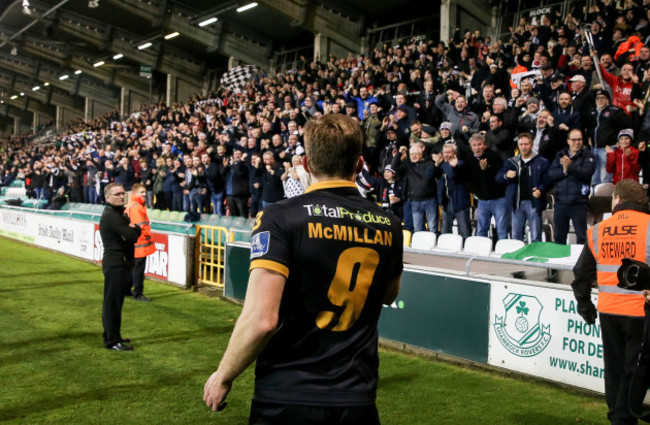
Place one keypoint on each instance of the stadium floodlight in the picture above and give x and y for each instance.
(26, 7)
(36, 88)
(22, 93)
(14, 97)
(172, 35)
(46, 84)
(98, 64)
(208, 21)
(93, 4)
(14, 51)
(145, 45)
(64, 77)
(118, 56)
(77, 72)
(246, 7)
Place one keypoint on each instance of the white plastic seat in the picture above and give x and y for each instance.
(450, 242)
(505, 246)
(480, 245)
(423, 240)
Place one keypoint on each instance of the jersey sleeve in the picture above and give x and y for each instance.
(270, 243)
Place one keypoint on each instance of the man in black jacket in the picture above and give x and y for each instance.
(212, 175)
(236, 172)
(118, 238)
(422, 192)
(483, 167)
(270, 174)
(605, 121)
(570, 174)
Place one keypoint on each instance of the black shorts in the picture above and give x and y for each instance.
(291, 414)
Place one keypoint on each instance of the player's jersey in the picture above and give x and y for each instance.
(338, 252)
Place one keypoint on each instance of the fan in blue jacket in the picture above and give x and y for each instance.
(525, 176)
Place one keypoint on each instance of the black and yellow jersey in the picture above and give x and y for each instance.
(338, 251)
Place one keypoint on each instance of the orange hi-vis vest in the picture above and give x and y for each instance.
(624, 235)
(137, 213)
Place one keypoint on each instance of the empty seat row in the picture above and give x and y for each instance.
(479, 245)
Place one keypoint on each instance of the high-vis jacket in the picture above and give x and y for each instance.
(138, 215)
(624, 235)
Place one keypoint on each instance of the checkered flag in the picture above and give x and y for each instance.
(235, 79)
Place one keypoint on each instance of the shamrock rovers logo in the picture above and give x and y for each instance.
(520, 330)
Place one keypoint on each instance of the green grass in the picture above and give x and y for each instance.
(54, 369)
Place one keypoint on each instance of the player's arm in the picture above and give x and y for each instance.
(253, 329)
(392, 290)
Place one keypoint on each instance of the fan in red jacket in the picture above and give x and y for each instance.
(623, 160)
(622, 87)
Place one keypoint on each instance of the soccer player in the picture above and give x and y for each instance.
(323, 263)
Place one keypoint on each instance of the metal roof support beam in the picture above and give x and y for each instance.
(320, 20)
(92, 31)
(245, 50)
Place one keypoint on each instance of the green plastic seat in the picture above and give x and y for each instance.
(238, 222)
(164, 215)
(154, 214)
(225, 221)
(177, 216)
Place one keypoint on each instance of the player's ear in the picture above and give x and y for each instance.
(304, 163)
(360, 163)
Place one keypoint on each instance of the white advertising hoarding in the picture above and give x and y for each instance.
(73, 237)
(538, 331)
(82, 239)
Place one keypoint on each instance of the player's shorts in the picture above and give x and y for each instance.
(290, 414)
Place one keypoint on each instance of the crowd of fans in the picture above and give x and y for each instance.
(449, 126)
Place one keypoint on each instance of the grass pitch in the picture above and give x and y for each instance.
(54, 369)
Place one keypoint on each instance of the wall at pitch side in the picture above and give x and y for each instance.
(531, 328)
(171, 261)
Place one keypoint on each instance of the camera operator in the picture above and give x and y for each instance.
(621, 311)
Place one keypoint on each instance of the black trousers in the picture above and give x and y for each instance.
(138, 276)
(577, 213)
(291, 414)
(117, 282)
(237, 205)
(622, 338)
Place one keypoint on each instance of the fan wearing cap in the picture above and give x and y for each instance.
(400, 103)
(583, 100)
(391, 193)
(604, 124)
(623, 160)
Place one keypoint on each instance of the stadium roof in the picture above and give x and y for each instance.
(77, 49)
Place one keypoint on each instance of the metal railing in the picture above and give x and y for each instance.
(210, 254)
(389, 34)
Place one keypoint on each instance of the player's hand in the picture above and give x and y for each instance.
(483, 164)
(215, 392)
(537, 193)
(511, 174)
(608, 149)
